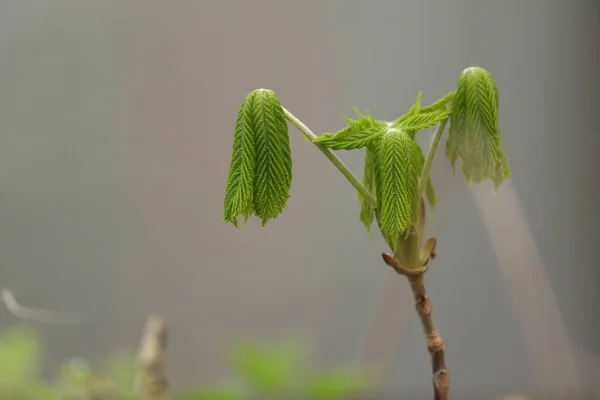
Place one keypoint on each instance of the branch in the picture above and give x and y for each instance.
(368, 196)
(435, 345)
(36, 315)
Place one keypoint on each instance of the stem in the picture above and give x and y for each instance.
(435, 345)
(332, 157)
(430, 156)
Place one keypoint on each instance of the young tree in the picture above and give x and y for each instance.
(396, 179)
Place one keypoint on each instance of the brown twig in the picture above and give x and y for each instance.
(414, 272)
(435, 345)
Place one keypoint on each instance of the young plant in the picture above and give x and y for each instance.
(396, 173)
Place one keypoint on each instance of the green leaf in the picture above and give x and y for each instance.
(358, 134)
(367, 214)
(423, 121)
(20, 356)
(120, 367)
(338, 385)
(439, 104)
(430, 194)
(429, 189)
(273, 177)
(260, 172)
(474, 133)
(270, 370)
(412, 111)
(223, 392)
(239, 194)
(397, 170)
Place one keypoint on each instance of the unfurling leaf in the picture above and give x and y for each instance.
(367, 214)
(273, 177)
(412, 111)
(397, 170)
(239, 195)
(440, 104)
(474, 134)
(423, 121)
(358, 134)
(430, 194)
(260, 172)
(419, 118)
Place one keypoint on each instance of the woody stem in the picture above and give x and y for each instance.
(435, 345)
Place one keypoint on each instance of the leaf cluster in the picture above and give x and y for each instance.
(396, 171)
(393, 163)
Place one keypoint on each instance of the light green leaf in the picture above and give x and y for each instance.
(120, 367)
(269, 370)
(397, 170)
(260, 172)
(273, 177)
(439, 104)
(338, 385)
(367, 214)
(222, 392)
(20, 355)
(358, 134)
(239, 194)
(474, 133)
(423, 121)
(429, 189)
(430, 194)
(413, 110)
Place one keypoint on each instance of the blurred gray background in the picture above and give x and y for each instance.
(116, 125)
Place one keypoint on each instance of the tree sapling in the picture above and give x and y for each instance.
(396, 174)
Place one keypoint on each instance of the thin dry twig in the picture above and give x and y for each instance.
(35, 314)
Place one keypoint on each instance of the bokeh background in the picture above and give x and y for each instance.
(116, 124)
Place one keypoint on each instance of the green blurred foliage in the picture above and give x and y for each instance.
(260, 371)
(281, 371)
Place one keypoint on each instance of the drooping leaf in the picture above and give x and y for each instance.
(474, 133)
(260, 172)
(397, 170)
(358, 134)
(367, 214)
(273, 176)
(239, 194)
